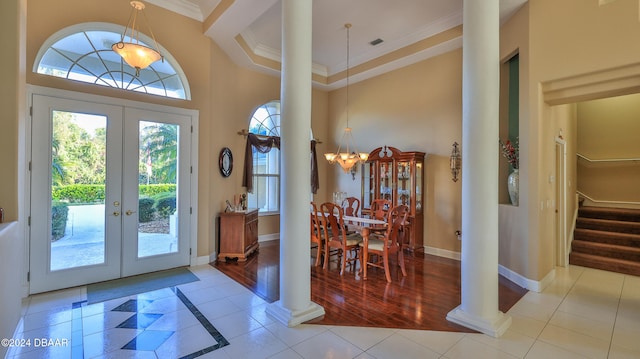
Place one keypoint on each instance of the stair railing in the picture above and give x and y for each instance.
(632, 161)
(632, 203)
(608, 159)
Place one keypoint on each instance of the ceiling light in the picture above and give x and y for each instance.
(133, 52)
(350, 156)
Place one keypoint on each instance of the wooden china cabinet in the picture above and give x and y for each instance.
(397, 176)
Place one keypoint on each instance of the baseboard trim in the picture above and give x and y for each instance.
(524, 282)
(205, 259)
(445, 253)
(529, 284)
(268, 237)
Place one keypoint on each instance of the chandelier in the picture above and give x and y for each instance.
(350, 156)
(133, 53)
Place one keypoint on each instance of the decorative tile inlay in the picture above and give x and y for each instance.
(140, 321)
(147, 340)
(217, 336)
(77, 351)
(132, 305)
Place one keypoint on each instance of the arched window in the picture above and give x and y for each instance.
(83, 53)
(265, 121)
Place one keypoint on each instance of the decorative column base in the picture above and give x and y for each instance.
(493, 328)
(293, 318)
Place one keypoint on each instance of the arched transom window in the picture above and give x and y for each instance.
(83, 53)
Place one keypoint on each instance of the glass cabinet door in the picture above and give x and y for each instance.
(403, 195)
(418, 176)
(368, 184)
(386, 180)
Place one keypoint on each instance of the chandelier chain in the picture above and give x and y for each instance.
(348, 26)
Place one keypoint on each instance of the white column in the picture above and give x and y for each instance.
(295, 306)
(480, 96)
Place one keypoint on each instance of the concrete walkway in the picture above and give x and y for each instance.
(83, 243)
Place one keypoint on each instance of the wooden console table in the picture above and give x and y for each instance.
(238, 234)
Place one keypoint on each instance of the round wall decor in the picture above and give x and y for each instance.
(225, 162)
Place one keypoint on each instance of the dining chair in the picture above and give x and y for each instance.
(382, 247)
(351, 206)
(336, 238)
(379, 210)
(317, 236)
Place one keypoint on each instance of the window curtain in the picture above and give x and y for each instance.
(264, 145)
(315, 183)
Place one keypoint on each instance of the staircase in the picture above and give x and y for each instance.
(607, 239)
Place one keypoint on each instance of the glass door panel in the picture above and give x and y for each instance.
(75, 192)
(156, 191)
(78, 169)
(403, 196)
(419, 187)
(368, 185)
(157, 166)
(386, 180)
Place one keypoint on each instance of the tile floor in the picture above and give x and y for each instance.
(584, 313)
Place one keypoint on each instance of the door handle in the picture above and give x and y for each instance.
(116, 213)
(129, 212)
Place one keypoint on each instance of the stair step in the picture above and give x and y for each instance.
(605, 263)
(620, 214)
(620, 239)
(606, 250)
(608, 225)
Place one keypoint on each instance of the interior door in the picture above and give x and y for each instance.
(110, 192)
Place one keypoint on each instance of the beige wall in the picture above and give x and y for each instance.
(12, 101)
(564, 45)
(608, 129)
(416, 108)
(565, 118)
(514, 237)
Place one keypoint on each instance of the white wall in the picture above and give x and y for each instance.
(11, 258)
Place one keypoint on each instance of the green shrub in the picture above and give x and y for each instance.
(59, 213)
(151, 190)
(94, 193)
(165, 204)
(146, 209)
(79, 193)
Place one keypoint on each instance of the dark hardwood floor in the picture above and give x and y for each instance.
(421, 300)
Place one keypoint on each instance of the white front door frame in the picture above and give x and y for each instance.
(77, 96)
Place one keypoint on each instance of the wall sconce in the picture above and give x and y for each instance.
(353, 172)
(454, 162)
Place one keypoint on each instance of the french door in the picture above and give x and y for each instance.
(110, 192)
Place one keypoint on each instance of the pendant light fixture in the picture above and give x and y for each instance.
(350, 156)
(133, 53)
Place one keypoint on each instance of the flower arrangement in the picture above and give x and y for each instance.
(511, 152)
